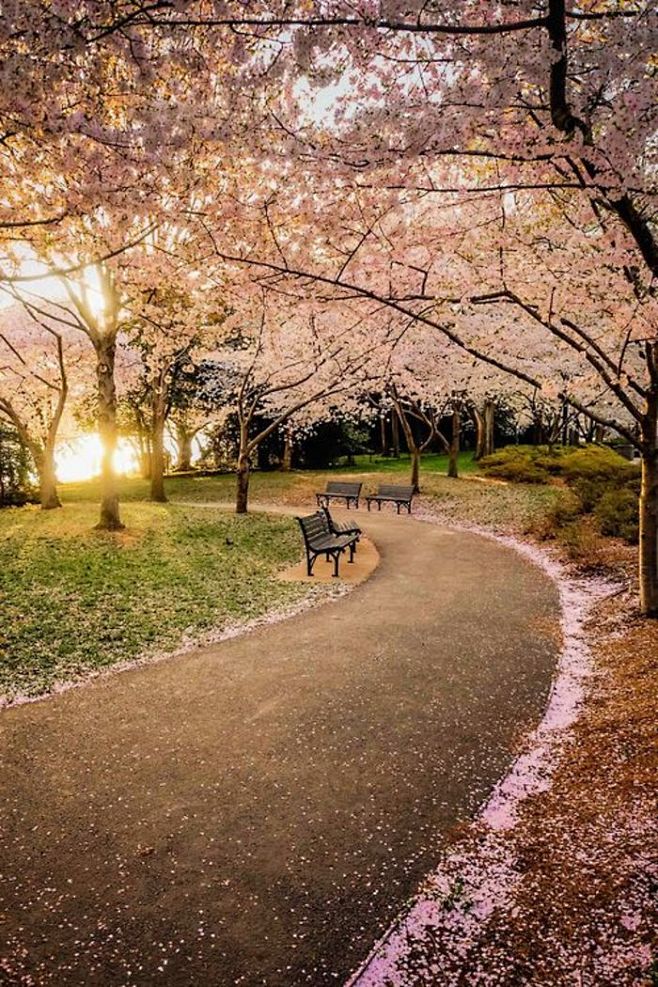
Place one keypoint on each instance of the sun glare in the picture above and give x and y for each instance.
(80, 458)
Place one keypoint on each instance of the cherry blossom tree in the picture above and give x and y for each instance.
(286, 363)
(34, 386)
(174, 316)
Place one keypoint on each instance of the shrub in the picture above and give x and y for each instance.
(617, 514)
(16, 488)
(583, 544)
(550, 458)
(598, 481)
(515, 463)
(597, 462)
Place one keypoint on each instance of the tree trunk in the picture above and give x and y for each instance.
(244, 467)
(648, 560)
(48, 479)
(157, 455)
(242, 497)
(415, 470)
(286, 461)
(184, 440)
(412, 446)
(454, 444)
(565, 424)
(396, 436)
(383, 435)
(489, 416)
(478, 420)
(110, 519)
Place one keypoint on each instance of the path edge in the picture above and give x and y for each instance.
(490, 868)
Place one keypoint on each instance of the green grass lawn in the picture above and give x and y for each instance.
(468, 499)
(73, 600)
(274, 484)
(431, 463)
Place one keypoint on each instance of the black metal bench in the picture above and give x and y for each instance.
(390, 493)
(337, 490)
(341, 527)
(320, 540)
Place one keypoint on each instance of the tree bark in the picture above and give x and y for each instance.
(110, 519)
(648, 554)
(453, 469)
(415, 470)
(242, 496)
(48, 496)
(244, 466)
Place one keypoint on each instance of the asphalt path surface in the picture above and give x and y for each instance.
(257, 812)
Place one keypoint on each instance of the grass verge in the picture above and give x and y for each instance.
(73, 600)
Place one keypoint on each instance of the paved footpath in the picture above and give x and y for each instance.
(257, 812)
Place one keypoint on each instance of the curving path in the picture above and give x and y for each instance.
(257, 812)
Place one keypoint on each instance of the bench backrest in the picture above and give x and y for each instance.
(346, 489)
(392, 490)
(314, 526)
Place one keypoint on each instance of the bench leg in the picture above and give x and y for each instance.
(409, 508)
(398, 506)
(336, 558)
(368, 502)
(309, 564)
(352, 551)
(379, 505)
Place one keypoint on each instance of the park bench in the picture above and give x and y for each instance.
(337, 490)
(341, 527)
(320, 540)
(389, 493)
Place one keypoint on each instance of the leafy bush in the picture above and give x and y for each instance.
(519, 464)
(599, 481)
(565, 510)
(597, 462)
(16, 487)
(618, 516)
